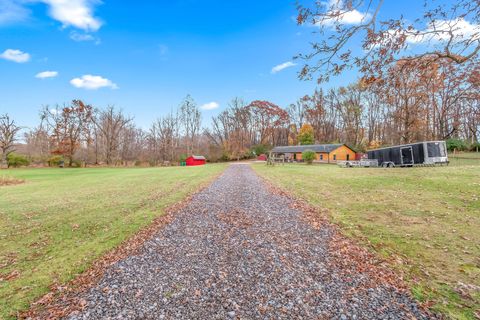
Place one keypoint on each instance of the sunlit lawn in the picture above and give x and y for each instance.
(56, 223)
(425, 220)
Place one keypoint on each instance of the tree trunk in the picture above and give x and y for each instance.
(3, 161)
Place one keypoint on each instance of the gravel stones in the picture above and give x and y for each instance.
(239, 251)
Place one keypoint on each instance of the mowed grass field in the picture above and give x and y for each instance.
(426, 221)
(56, 223)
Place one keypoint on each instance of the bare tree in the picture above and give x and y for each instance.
(164, 138)
(349, 105)
(190, 118)
(298, 113)
(133, 145)
(8, 137)
(110, 124)
(37, 144)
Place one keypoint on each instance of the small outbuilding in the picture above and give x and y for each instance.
(195, 161)
(262, 157)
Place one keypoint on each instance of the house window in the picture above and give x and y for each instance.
(321, 157)
(334, 157)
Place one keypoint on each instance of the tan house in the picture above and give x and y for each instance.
(328, 153)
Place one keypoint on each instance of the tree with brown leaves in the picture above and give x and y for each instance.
(67, 127)
(449, 31)
(270, 122)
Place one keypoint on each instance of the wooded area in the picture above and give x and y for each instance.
(415, 101)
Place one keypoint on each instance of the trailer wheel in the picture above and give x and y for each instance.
(390, 165)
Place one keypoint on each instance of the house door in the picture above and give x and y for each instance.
(348, 157)
(407, 155)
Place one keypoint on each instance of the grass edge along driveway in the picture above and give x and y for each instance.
(424, 220)
(59, 221)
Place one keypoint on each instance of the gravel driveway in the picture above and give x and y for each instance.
(239, 251)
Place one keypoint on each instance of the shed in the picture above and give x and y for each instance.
(262, 157)
(195, 161)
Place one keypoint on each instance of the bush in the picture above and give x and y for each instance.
(77, 163)
(308, 156)
(182, 158)
(224, 158)
(456, 144)
(475, 146)
(16, 160)
(259, 149)
(55, 161)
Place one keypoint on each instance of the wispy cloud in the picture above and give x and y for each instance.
(91, 82)
(283, 66)
(439, 31)
(71, 13)
(81, 37)
(15, 56)
(442, 30)
(210, 106)
(336, 14)
(46, 74)
(12, 11)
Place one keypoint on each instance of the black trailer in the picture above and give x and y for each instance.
(409, 155)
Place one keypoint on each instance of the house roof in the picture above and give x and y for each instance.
(198, 157)
(314, 147)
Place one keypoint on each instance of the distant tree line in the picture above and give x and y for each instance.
(414, 101)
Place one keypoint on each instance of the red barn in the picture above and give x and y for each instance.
(195, 161)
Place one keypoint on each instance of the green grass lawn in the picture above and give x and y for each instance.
(56, 223)
(425, 220)
(464, 158)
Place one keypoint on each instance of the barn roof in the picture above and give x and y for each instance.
(314, 147)
(198, 157)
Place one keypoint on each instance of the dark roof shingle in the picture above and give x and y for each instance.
(314, 147)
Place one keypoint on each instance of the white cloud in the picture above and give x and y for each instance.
(15, 56)
(12, 11)
(75, 13)
(283, 66)
(460, 28)
(81, 37)
(437, 32)
(91, 82)
(336, 14)
(210, 106)
(46, 74)
(71, 13)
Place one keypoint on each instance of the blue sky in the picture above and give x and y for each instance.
(145, 56)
